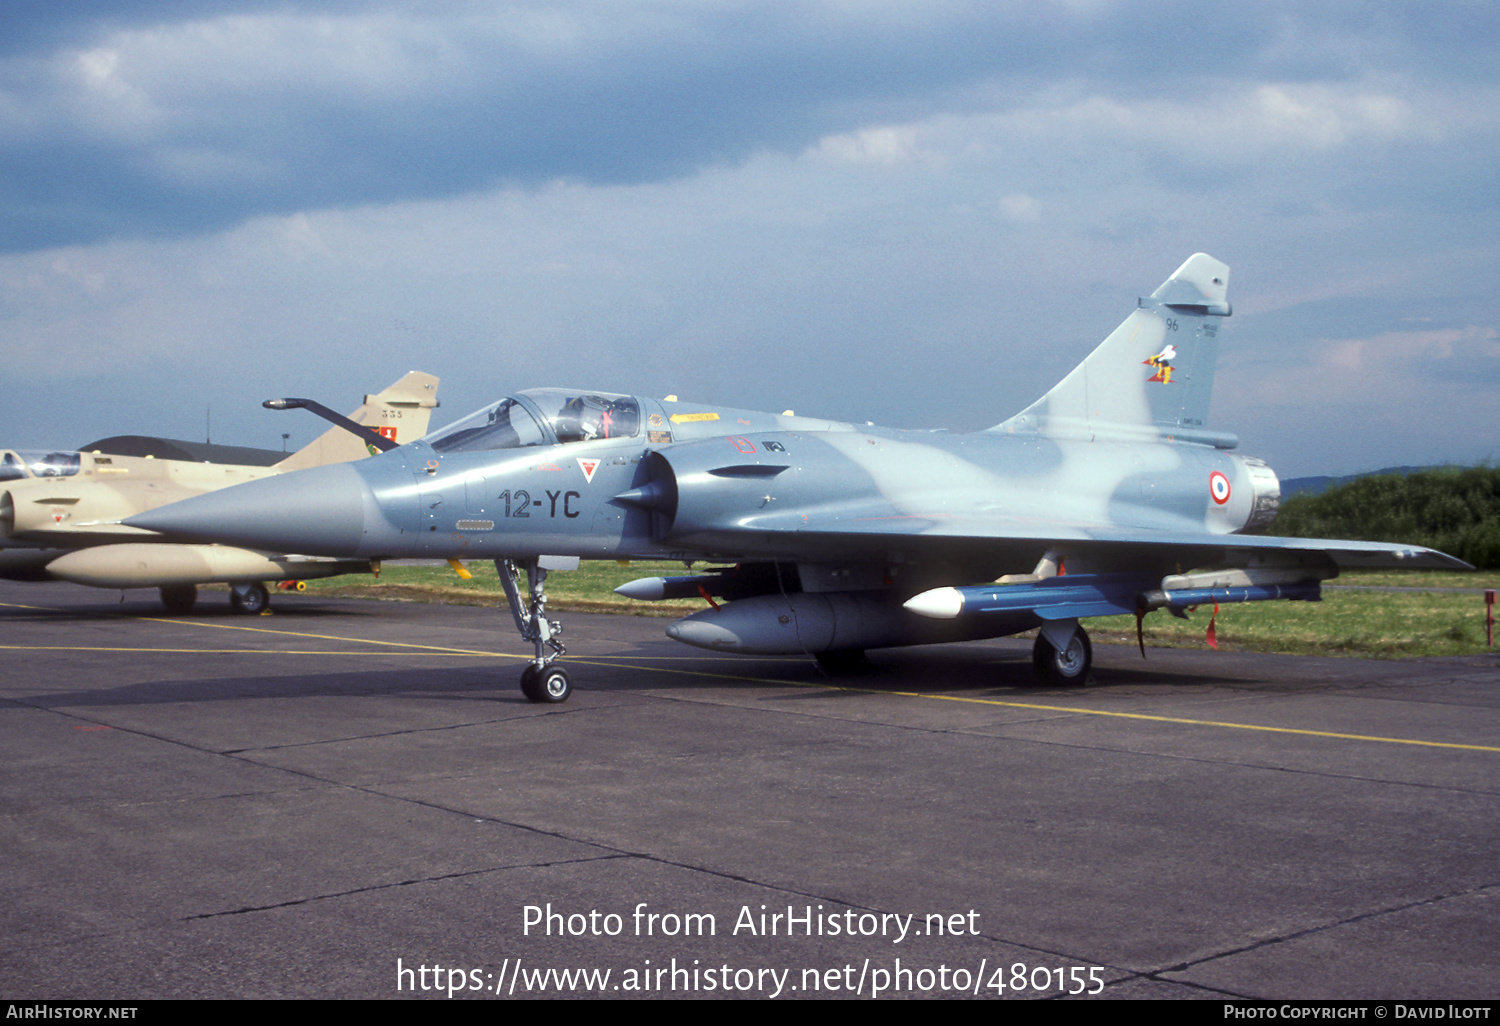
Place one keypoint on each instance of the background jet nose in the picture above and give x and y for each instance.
(314, 512)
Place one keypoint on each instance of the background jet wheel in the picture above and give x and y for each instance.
(179, 598)
(1067, 668)
(249, 599)
(550, 685)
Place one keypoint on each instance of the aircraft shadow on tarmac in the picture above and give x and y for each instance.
(491, 683)
(979, 675)
(974, 670)
(999, 669)
(141, 609)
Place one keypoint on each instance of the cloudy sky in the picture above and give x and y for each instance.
(920, 214)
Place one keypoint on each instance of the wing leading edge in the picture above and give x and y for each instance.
(1011, 544)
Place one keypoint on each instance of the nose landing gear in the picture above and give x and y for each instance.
(541, 681)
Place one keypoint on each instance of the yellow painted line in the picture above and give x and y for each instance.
(243, 651)
(604, 661)
(319, 637)
(1209, 723)
(1060, 708)
(267, 630)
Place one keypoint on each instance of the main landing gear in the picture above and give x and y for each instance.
(541, 681)
(250, 599)
(179, 598)
(1062, 654)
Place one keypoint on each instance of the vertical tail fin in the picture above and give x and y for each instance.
(1153, 376)
(401, 412)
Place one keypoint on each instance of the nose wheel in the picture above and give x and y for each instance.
(549, 685)
(541, 681)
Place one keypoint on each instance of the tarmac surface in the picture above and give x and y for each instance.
(352, 799)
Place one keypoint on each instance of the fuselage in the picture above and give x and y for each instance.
(668, 480)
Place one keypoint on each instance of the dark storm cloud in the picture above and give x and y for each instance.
(167, 118)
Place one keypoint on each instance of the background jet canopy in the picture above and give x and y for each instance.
(52, 464)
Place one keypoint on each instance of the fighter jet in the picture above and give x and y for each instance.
(59, 511)
(1108, 495)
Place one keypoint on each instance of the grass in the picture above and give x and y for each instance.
(1427, 579)
(1371, 624)
(589, 589)
(1423, 618)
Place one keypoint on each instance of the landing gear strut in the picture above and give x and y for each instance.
(540, 681)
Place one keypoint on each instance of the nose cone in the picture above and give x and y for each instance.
(316, 512)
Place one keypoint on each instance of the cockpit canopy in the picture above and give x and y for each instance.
(17, 465)
(540, 416)
(587, 416)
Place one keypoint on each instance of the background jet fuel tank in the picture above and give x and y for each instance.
(832, 622)
(146, 565)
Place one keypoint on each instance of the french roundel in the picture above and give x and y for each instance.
(1218, 487)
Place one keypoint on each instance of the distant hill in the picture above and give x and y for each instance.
(1319, 485)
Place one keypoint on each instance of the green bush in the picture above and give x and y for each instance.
(1455, 510)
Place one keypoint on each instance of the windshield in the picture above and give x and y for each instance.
(585, 416)
(505, 425)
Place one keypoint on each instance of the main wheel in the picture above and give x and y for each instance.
(249, 599)
(550, 685)
(179, 598)
(1064, 668)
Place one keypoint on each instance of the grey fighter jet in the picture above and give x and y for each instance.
(1109, 495)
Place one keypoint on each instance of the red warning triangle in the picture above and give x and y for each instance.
(589, 466)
